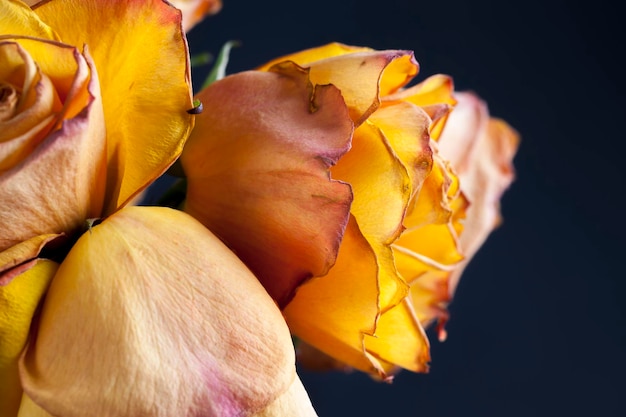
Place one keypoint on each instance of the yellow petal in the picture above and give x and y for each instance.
(432, 204)
(196, 10)
(19, 299)
(334, 312)
(382, 189)
(144, 75)
(155, 316)
(265, 187)
(360, 77)
(30, 103)
(61, 182)
(400, 339)
(16, 18)
(405, 126)
(308, 56)
(18, 258)
(436, 94)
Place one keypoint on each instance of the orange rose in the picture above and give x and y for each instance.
(404, 211)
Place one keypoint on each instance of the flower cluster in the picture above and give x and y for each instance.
(327, 198)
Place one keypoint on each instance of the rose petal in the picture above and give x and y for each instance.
(400, 339)
(13, 260)
(196, 10)
(435, 94)
(155, 316)
(144, 75)
(382, 189)
(264, 187)
(333, 313)
(39, 200)
(360, 77)
(34, 112)
(16, 18)
(485, 168)
(307, 56)
(18, 302)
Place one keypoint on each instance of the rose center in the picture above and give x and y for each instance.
(9, 96)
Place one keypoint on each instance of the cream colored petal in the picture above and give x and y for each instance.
(154, 316)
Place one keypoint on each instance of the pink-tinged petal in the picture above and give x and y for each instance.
(156, 317)
(481, 149)
(19, 300)
(37, 199)
(257, 167)
(363, 77)
(196, 10)
(16, 18)
(29, 103)
(144, 73)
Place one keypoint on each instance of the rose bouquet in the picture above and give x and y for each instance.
(324, 199)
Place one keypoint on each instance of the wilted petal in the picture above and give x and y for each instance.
(362, 77)
(382, 189)
(257, 168)
(435, 95)
(485, 168)
(37, 199)
(400, 340)
(196, 10)
(19, 299)
(308, 56)
(145, 81)
(155, 316)
(334, 312)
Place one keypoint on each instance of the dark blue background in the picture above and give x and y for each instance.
(538, 323)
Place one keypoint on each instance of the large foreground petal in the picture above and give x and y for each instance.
(151, 315)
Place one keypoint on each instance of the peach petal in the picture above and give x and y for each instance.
(265, 187)
(485, 169)
(146, 312)
(39, 200)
